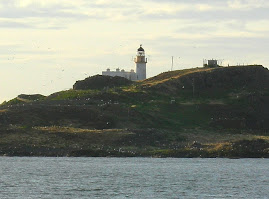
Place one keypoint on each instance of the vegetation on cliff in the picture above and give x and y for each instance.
(200, 112)
(101, 82)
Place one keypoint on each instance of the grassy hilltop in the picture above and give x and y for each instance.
(200, 112)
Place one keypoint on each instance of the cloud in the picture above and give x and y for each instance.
(14, 25)
(132, 11)
(258, 26)
(39, 12)
(247, 4)
(36, 14)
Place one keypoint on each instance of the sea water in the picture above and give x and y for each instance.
(38, 177)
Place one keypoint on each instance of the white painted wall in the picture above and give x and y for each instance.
(141, 70)
(121, 73)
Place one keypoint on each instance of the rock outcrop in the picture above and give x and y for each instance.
(101, 82)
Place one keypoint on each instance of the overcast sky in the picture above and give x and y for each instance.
(46, 45)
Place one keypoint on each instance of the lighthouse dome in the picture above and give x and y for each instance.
(140, 49)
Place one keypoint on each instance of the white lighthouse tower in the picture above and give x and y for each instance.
(141, 62)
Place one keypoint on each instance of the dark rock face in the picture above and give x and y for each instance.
(251, 109)
(244, 76)
(101, 82)
(250, 148)
(252, 77)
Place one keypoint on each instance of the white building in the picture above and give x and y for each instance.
(140, 73)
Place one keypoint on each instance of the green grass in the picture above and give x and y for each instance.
(34, 97)
(166, 76)
(172, 116)
(72, 94)
(13, 102)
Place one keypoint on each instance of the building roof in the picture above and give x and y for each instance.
(140, 49)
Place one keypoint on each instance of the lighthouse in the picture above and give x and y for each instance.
(140, 73)
(141, 62)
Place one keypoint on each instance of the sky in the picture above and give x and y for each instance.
(47, 45)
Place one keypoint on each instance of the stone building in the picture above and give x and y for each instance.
(212, 63)
(140, 73)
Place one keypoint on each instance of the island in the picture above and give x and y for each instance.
(199, 112)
